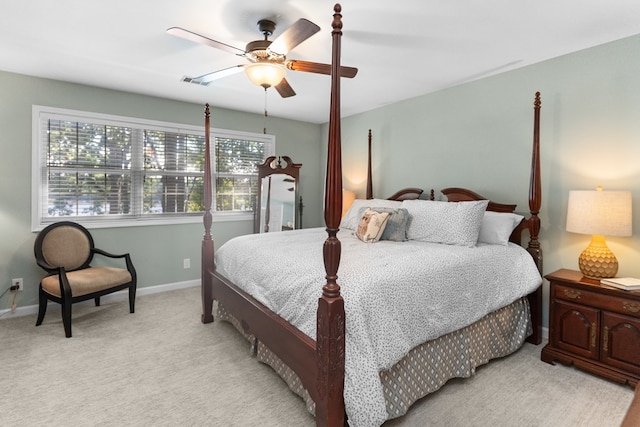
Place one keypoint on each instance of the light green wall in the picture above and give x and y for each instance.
(478, 135)
(157, 251)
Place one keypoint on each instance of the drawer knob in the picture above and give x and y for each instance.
(605, 339)
(631, 306)
(573, 294)
(593, 335)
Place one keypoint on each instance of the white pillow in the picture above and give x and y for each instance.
(352, 217)
(496, 227)
(453, 223)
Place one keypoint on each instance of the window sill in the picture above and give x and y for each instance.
(143, 222)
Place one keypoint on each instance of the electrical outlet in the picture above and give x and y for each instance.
(186, 263)
(17, 285)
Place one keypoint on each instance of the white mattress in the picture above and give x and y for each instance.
(397, 295)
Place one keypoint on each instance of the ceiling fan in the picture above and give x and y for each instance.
(267, 62)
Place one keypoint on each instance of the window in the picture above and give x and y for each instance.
(104, 170)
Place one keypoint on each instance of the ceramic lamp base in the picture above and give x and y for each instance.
(597, 261)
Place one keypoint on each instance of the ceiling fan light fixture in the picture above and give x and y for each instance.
(265, 74)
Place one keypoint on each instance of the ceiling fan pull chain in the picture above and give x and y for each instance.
(264, 129)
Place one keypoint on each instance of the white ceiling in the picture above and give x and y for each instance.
(402, 48)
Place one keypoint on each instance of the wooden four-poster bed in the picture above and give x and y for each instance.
(312, 354)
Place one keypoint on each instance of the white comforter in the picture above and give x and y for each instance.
(397, 295)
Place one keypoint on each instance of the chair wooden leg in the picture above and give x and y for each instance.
(97, 300)
(66, 317)
(132, 299)
(42, 308)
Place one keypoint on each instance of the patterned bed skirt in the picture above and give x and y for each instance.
(429, 366)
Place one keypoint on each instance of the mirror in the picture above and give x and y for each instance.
(277, 204)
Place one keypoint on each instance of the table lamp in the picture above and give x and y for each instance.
(599, 213)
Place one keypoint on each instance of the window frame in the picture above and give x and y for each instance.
(39, 179)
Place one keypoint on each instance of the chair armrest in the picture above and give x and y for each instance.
(108, 254)
(65, 289)
(126, 256)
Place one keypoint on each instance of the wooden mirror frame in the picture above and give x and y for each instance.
(273, 166)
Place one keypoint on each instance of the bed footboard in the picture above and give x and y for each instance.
(206, 288)
(293, 347)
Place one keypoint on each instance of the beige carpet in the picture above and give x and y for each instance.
(162, 367)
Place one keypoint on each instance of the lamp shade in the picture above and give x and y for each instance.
(606, 213)
(265, 74)
(599, 213)
(348, 197)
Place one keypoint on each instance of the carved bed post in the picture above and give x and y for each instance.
(267, 214)
(535, 190)
(330, 332)
(207, 241)
(369, 173)
(535, 199)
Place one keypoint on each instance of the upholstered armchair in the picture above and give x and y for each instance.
(65, 251)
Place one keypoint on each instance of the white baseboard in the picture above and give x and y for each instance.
(116, 296)
(147, 290)
(545, 334)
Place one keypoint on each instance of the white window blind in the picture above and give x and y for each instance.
(104, 170)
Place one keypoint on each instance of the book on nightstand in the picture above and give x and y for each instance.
(626, 283)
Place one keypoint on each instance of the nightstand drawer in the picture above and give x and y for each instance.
(576, 328)
(621, 342)
(593, 299)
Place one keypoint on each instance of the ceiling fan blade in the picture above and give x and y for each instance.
(284, 89)
(194, 37)
(205, 79)
(315, 67)
(301, 30)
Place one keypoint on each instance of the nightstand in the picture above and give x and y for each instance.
(594, 327)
